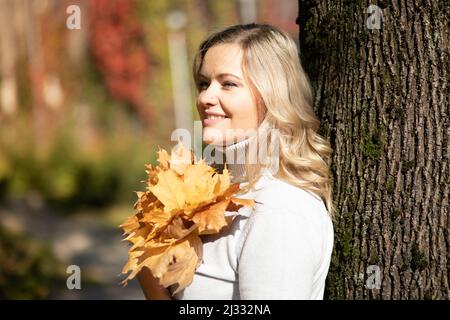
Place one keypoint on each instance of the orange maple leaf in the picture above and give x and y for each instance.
(184, 200)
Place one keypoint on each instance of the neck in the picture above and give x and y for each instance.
(234, 156)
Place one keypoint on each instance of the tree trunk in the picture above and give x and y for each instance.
(383, 98)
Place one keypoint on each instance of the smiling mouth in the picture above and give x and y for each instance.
(214, 117)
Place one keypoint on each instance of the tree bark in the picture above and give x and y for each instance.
(383, 98)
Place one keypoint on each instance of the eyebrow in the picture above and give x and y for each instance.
(221, 75)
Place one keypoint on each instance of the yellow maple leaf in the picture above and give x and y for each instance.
(242, 202)
(154, 258)
(223, 182)
(211, 219)
(152, 173)
(163, 159)
(199, 180)
(178, 229)
(184, 200)
(146, 202)
(187, 257)
(169, 190)
(181, 159)
(130, 224)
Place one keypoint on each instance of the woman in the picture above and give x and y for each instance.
(249, 79)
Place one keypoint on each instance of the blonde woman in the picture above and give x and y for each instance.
(255, 103)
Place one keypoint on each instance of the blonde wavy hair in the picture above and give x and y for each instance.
(272, 67)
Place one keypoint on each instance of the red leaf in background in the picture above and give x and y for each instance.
(117, 42)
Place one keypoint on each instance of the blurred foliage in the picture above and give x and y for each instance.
(75, 141)
(75, 171)
(28, 270)
(117, 44)
(72, 178)
(92, 156)
(90, 151)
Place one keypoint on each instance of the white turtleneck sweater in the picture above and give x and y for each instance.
(279, 249)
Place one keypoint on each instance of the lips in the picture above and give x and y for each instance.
(213, 119)
(210, 115)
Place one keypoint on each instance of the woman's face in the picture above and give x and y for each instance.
(225, 103)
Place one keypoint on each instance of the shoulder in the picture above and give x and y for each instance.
(284, 208)
(277, 195)
(286, 215)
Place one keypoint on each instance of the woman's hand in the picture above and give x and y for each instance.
(151, 287)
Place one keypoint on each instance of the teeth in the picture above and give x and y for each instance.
(215, 117)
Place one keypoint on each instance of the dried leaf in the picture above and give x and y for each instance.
(152, 173)
(199, 180)
(169, 190)
(163, 159)
(223, 182)
(181, 159)
(183, 200)
(243, 202)
(130, 224)
(212, 219)
(187, 256)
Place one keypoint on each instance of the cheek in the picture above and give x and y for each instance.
(199, 108)
(246, 112)
(242, 106)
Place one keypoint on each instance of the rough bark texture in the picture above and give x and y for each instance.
(383, 98)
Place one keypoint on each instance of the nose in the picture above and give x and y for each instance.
(208, 97)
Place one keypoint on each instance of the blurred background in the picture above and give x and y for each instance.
(88, 91)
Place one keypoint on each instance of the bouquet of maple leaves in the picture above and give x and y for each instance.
(184, 199)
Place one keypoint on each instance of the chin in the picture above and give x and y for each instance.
(214, 142)
(213, 136)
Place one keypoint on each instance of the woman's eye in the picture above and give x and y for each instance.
(229, 84)
(202, 85)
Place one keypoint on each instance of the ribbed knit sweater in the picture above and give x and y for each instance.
(279, 249)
